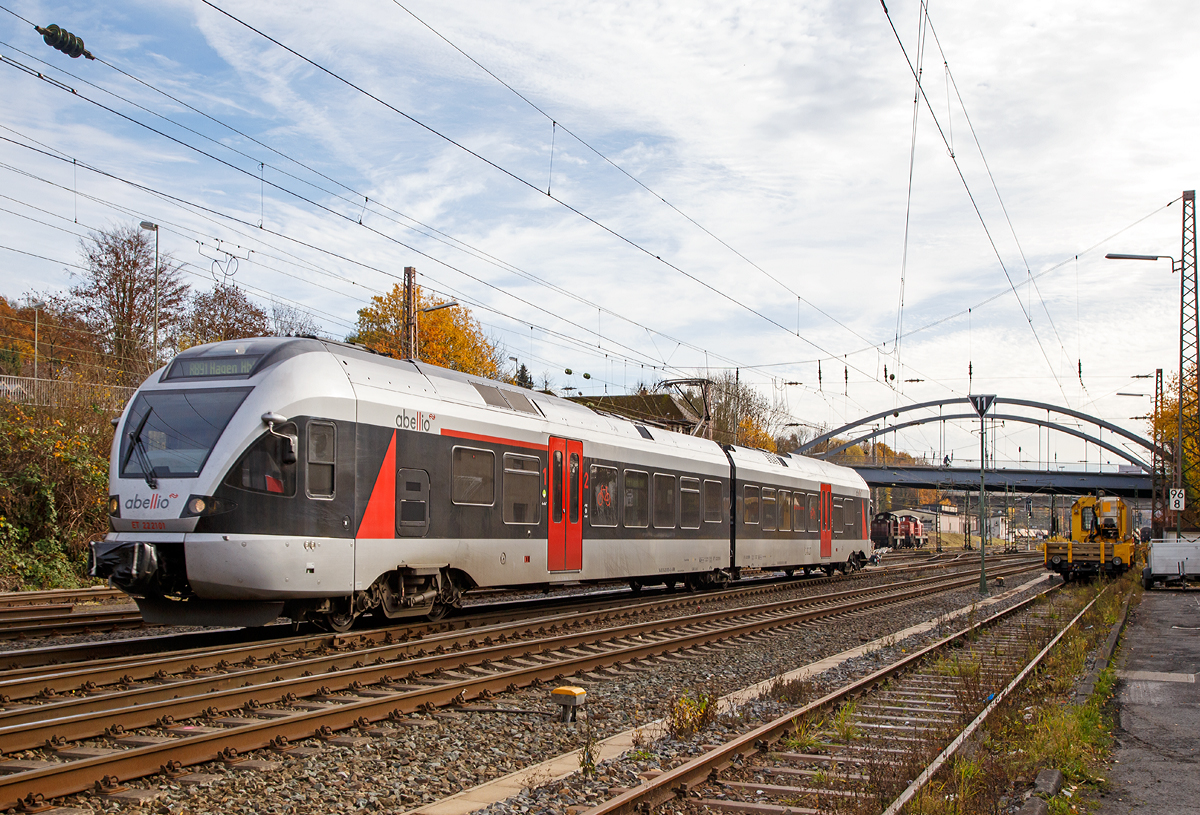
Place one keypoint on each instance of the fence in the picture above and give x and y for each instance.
(26, 390)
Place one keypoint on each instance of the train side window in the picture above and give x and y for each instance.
(799, 511)
(604, 495)
(785, 511)
(322, 456)
(262, 467)
(573, 513)
(637, 499)
(689, 503)
(664, 501)
(712, 502)
(412, 496)
(556, 486)
(768, 509)
(838, 523)
(473, 477)
(522, 489)
(751, 507)
(814, 514)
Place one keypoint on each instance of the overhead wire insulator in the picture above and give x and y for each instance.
(64, 41)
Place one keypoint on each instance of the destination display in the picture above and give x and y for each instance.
(210, 367)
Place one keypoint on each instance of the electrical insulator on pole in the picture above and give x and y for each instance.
(64, 41)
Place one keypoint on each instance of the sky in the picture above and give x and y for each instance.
(653, 190)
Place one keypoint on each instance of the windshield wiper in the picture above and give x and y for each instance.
(136, 445)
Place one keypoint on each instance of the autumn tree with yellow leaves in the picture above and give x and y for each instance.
(449, 337)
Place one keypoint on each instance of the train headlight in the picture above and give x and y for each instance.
(199, 506)
(114, 506)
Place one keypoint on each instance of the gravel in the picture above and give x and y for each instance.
(427, 758)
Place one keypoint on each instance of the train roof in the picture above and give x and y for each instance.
(478, 391)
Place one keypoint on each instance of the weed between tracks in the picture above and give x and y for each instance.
(1035, 729)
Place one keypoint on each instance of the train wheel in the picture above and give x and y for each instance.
(635, 586)
(790, 572)
(438, 611)
(339, 622)
(829, 570)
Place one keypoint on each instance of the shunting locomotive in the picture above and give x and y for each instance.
(1102, 539)
(898, 531)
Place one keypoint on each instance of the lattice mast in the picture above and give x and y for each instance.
(1189, 364)
(1162, 468)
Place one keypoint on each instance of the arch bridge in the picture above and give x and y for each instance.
(1064, 482)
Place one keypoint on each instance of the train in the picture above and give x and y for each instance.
(898, 531)
(1102, 540)
(318, 481)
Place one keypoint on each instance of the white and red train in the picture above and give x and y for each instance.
(315, 480)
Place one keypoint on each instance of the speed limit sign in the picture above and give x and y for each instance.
(1177, 498)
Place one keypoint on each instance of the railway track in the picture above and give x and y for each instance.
(96, 594)
(873, 744)
(109, 620)
(202, 706)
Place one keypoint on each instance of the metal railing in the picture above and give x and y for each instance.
(26, 390)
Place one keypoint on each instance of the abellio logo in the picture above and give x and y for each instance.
(155, 501)
(415, 420)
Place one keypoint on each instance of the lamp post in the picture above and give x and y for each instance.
(150, 227)
(1176, 265)
(982, 403)
(417, 325)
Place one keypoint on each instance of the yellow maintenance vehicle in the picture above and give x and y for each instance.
(1102, 540)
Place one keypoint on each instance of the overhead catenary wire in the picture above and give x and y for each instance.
(328, 209)
(557, 125)
(509, 173)
(974, 205)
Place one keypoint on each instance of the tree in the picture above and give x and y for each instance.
(225, 313)
(115, 299)
(289, 321)
(65, 347)
(524, 379)
(449, 337)
(1164, 427)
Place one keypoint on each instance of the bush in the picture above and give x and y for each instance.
(53, 488)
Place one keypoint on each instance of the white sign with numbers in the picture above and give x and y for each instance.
(1177, 498)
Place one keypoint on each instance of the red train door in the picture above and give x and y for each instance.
(565, 485)
(826, 520)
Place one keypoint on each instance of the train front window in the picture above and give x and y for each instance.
(172, 432)
(265, 467)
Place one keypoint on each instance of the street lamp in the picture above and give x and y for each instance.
(149, 227)
(439, 306)
(1176, 265)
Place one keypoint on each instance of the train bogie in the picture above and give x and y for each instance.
(318, 481)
